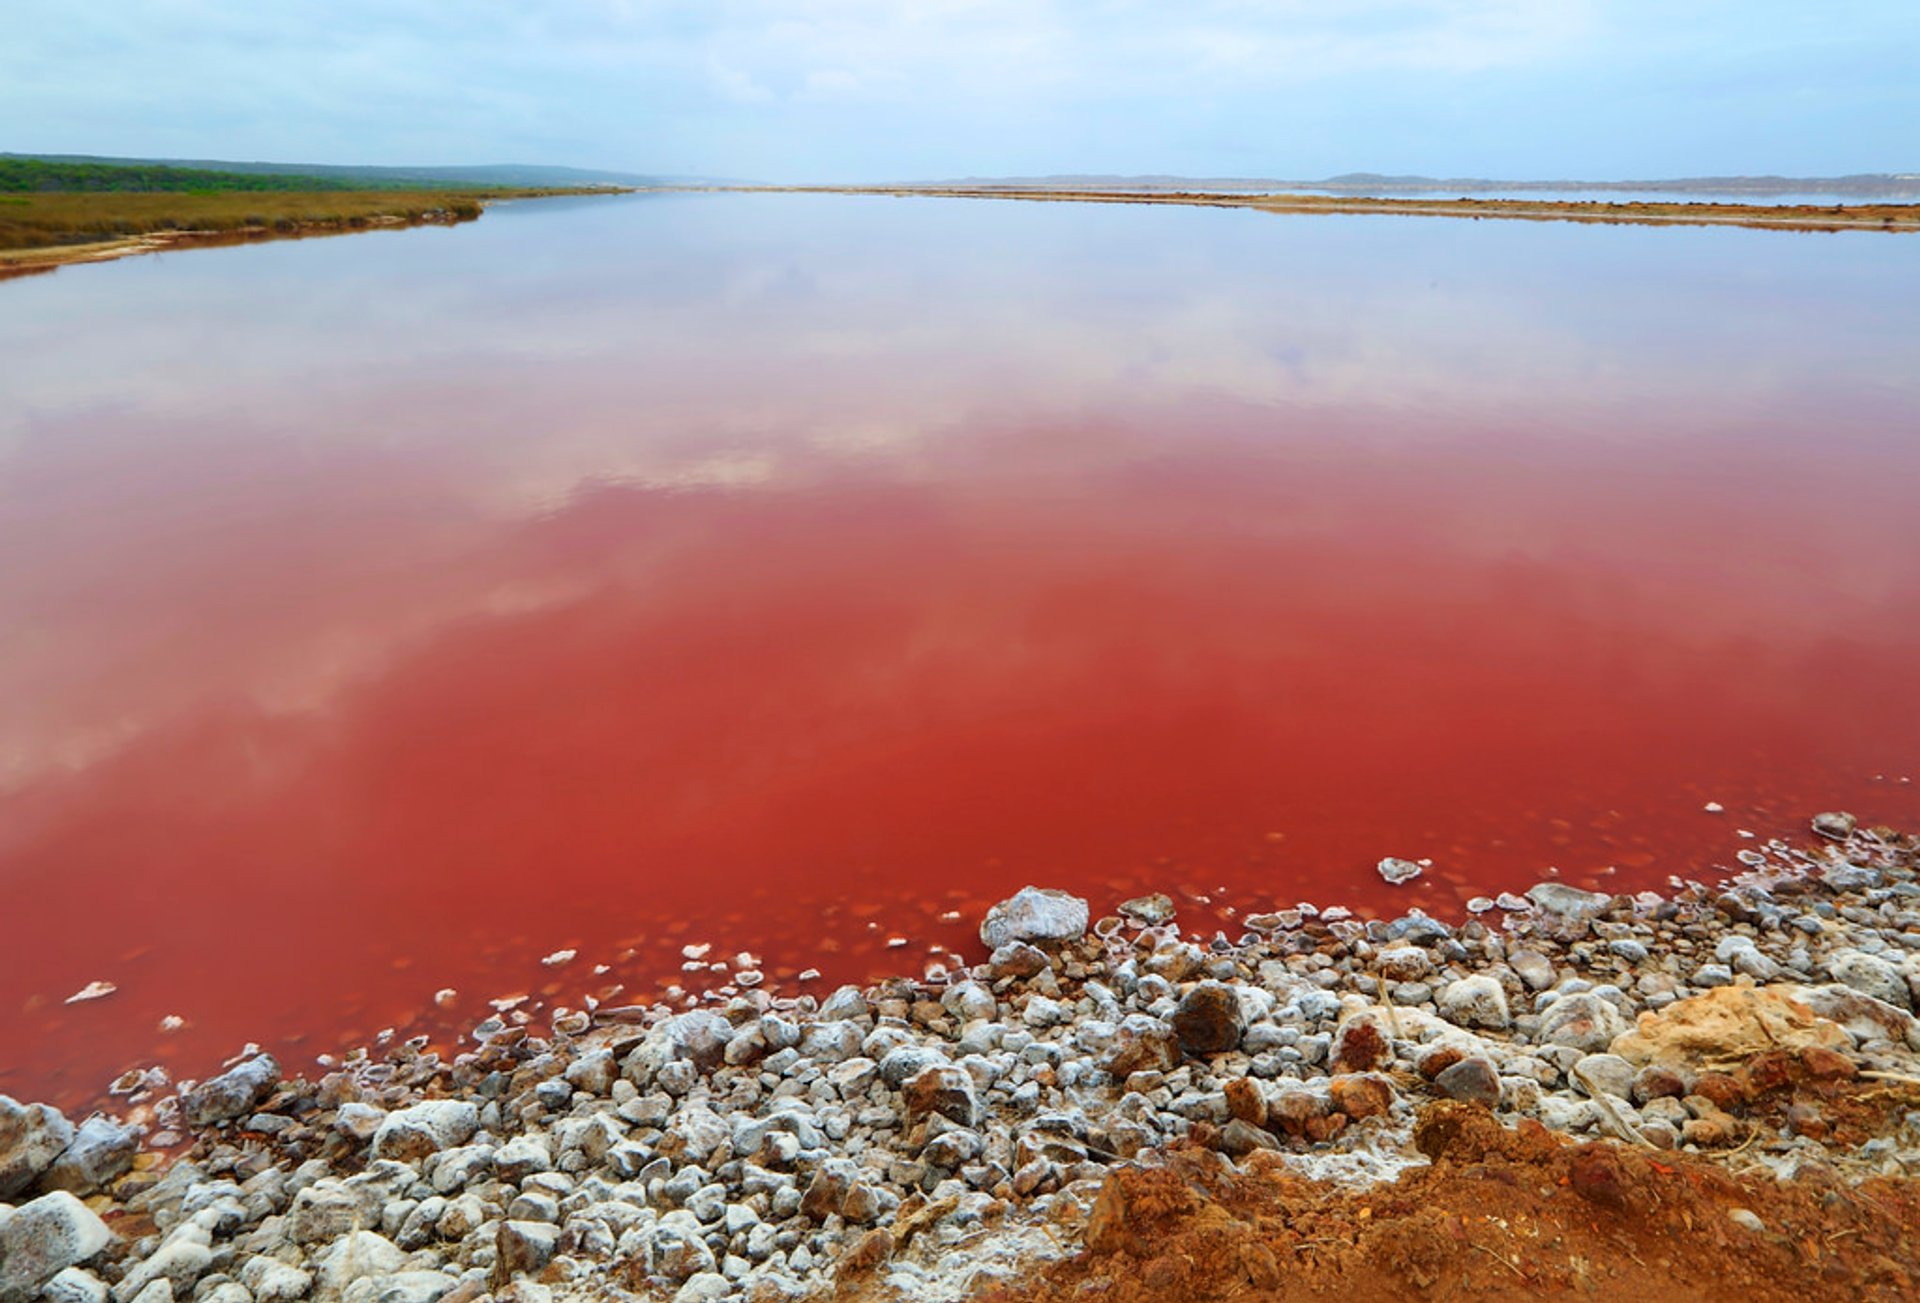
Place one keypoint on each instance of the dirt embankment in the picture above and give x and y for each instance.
(1501, 1213)
(1782, 217)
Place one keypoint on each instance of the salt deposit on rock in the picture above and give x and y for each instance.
(1397, 871)
(1034, 914)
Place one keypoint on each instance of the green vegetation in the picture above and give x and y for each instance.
(40, 176)
(49, 203)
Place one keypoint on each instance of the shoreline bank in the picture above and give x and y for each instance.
(1784, 217)
(405, 212)
(1006, 1128)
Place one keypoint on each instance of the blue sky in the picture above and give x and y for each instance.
(827, 90)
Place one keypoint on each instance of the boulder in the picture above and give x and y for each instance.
(1568, 904)
(411, 1133)
(44, 1238)
(31, 1137)
(233, 1094)
(1727, 1023)
(1476, 1001)
(1582, 1021)
(1471, 1080)
(102, 1150)
(1208, 1019)
(1034, 914)
(945, 1090)
(1142, 1044)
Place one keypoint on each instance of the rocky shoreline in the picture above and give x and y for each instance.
(922, 1141)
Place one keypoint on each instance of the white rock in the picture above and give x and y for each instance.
(412, 1133)
(1476, 1001)
(1034, 914)
(1396, 870)
(356, 1256)
(43, 1238)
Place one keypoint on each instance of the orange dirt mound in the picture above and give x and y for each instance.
(1500, 1214)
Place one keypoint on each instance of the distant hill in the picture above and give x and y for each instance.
(1875, 185)
(338, 176)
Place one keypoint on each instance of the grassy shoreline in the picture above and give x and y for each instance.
(41, 231)
(1783, 217)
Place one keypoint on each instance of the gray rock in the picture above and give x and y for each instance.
(969, 1002)
(325, 1211)
(1472, 1080)
(1151, 910)
(273, 1281)
(75, 1285)
(182, 1259)
(44, 1238)
(521, 1157)
(1607, 1072)
(1567, 903)
(102, 1151)
(361, 1255)
(412, 1133)
(844, 1005)
(401, 1287)
(234, 1093)
(1476, 1001)
(704, 1287)
(1871, 975)
(358, 1121)
(1034, 914)
(677, 1253)
(1835, 825)
(31, 1137)
(1582, 1021)
(1531, 967)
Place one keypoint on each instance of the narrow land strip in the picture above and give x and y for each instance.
(1781, 217)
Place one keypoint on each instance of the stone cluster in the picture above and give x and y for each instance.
(758, 1146)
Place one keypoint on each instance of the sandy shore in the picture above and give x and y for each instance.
(1564, 1094)
(1852, 217)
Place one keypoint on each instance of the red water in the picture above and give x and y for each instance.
(307, 727)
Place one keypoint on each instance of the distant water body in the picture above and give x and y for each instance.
(796, 574)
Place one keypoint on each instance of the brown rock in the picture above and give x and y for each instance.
(1292, 1111)
(872, 1249)
(1723, 1090)
(1143, 1044)
(1208, 1020)
(1595, 1176)
(943, 1089)
(1438, 1060)
(1361, 1095)
(1107, 1225)
(1827, 1065)
(1359, 1045)
(1471, 1080)
(1237, 1139)
(1246, 1101)
(825, 1194)
(1657, 1082)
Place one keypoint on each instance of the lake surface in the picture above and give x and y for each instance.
(381, 614)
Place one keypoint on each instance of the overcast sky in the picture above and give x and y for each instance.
(899, 89)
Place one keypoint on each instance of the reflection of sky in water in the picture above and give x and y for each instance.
(955, 543)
